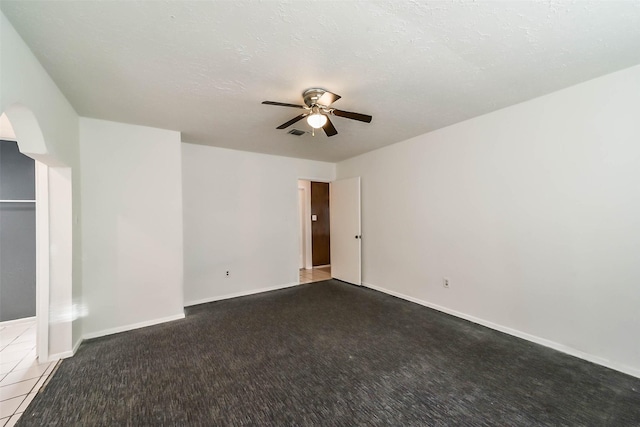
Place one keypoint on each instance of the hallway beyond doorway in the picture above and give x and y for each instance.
(316, 274)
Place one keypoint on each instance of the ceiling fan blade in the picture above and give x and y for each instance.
(283, 104)
(329, 128)
(292, 121)
(328, 98)
(353, 116)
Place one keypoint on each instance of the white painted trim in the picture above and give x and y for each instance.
(302, 217)
(241, 294)
(316, 179)
(322, 266)
(58, 356)
(131, 327)
(15, 322)
(63, 355)
(516, 333)
(42, 260)
(308, 261)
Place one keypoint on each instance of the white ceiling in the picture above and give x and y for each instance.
(203, 68)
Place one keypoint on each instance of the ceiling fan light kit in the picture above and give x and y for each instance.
(317, 120)
(317, 105)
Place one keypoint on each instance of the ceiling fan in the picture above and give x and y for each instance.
(317, 105)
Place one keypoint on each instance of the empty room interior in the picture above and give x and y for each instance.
(319, 213)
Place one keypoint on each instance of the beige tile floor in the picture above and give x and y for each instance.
(21, 376)
(315, 275)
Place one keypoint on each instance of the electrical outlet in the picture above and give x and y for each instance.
(445, 282)
(227, 275)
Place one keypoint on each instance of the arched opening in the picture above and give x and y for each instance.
(53, 232)
(32, 222)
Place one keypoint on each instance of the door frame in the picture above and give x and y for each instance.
(42, 261)
(307, 225)
(302, 217)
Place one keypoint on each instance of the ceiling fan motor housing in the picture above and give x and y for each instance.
(311, 96)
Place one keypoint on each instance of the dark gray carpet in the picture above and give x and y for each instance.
(328, 354)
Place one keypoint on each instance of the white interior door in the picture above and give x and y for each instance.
(344, 199)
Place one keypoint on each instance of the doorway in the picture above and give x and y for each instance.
(17, 234)
(24, 367)
(18, 265)
(343, 211)
(21, 203)
(314, 231)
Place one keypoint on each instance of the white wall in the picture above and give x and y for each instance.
(62, 314)
(241, 216)
(132, 226)
(46, 128)
(532, 211)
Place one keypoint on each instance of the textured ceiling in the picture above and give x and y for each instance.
(203, 68)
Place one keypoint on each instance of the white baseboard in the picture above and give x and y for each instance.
(15, 322)
(516, 333)
(240, 294)
(131, 327)
(76, 346)
(58, 356)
